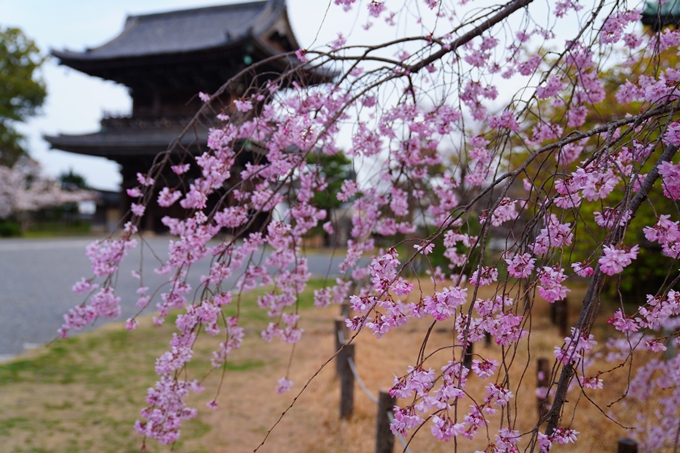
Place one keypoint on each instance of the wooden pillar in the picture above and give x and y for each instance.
(344, 309)
(553, 313)
(346, 381)
(339, 329)
(384, 439)
(353, 288)
(562, 317)
(626, 445)
(467, 357)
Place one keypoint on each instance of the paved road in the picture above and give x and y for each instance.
(36, 278)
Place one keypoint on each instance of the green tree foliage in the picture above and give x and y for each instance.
(650, 268)
(336, 169)
(22, 91)
(72, 181)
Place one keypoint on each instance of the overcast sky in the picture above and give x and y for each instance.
(75, 101)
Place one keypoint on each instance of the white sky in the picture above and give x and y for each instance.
(75, 101)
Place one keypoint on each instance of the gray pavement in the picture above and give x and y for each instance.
(36, 278)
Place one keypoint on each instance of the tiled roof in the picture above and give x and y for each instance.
(186, 30)
(130, 143)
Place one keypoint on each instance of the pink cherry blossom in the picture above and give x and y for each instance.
(551, 288)
(445, 153)
(614, 260)
(520, 266)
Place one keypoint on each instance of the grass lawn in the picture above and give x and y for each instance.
(83, 394)
(55, 230)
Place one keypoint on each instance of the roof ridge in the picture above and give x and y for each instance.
(186, 31)
(130, 23)
(199, 9)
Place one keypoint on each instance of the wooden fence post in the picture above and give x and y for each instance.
(384, 439)
(562, 317)
(344, 309)
(626, 445)
(346, 380)
(339, 330)
(553, 313)
(542, 382)
(467, 356)
(352, 288)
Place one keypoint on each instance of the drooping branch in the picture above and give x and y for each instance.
(400, 120)
(591, 303)
(503, 14)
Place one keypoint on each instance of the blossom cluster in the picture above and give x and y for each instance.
(503, 209)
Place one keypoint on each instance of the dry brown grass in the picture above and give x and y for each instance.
(313, 425)
(94, 411)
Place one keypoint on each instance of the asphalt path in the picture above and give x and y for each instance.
(36, 277)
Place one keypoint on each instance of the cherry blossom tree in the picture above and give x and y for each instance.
(479, 113)
(23, 188)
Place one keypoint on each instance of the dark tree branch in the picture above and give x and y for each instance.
(591, 301)
(503, 14)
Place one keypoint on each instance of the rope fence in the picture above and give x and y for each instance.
(348, 373)
(361, 381)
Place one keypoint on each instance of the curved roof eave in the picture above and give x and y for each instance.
(114, 145)
(187, 31)
(73, 59)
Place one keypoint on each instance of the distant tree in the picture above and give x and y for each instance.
(335, 169)
(22, 91)
(23, 189)
(650, 267)
(72, 181)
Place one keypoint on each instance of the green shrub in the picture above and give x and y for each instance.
(9, 229)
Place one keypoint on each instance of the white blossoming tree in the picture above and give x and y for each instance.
(24, 189)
